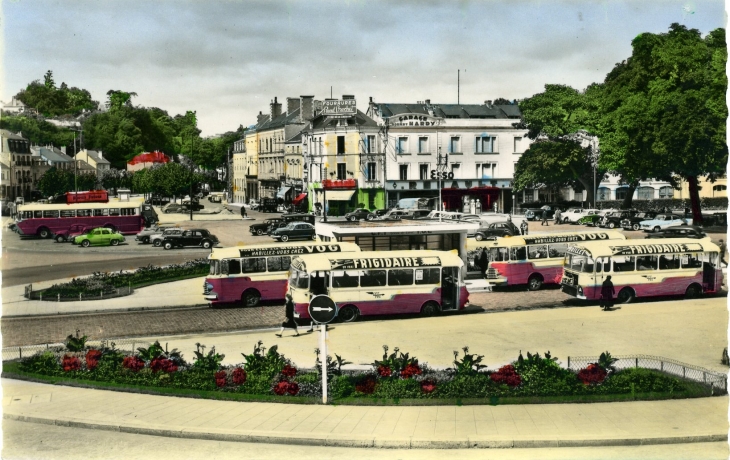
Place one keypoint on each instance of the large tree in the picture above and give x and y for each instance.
(52, 101)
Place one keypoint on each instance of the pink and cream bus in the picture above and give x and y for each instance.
(250, 274)
(380, 283)
(45, 220)
(531, 260)
(643, 268)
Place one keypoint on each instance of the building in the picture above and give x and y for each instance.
(95, 159)
(467, 152)
(147, 160)
(16, 106)
(239, 170)
(45, 158)
(707, 189)
(15, 155)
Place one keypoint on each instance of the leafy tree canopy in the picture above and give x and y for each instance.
(51, 101)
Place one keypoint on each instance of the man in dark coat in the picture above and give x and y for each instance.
(523, 227)
(607, 292)
(545, 218)
(289, 323)
(243, 211)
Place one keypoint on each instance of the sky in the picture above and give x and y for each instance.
(228, 59)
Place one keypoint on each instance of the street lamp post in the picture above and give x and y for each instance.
(191, 176)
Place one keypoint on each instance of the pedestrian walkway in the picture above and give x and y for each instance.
(443, 427)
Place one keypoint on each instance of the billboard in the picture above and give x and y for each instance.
(346, 107)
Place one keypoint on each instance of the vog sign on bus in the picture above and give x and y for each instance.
(346, 107)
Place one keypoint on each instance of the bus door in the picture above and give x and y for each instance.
(603, 269)
(449, 288)
(709, 262)
(319, 283)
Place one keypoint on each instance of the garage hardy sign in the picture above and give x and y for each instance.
(414, 119)
(336, 107)
(384, 262)
(290, 251)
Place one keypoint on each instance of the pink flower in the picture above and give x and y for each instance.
(506, 375)
(220, 379)
(92, 359)
(293, 388)
(282, 387)
(427, 386)
(384, 371)
(133, 363)
(70, 363)
(239, 376)
(410, 370)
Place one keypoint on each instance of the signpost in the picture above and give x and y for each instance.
(323, 310)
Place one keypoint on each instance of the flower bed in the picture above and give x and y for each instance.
(396, 378)
(108, 284)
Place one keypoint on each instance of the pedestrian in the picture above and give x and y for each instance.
(243, 212)
(607, 292)
(557, 216)
(723, 249)
(289, 323)
(482, 262)
(544, 218)
(11, 209)
(523, 227)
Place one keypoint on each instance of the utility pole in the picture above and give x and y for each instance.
(191, 175)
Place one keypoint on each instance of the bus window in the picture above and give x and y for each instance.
(68, 213)
(691, 261)
(709, 259)
(319, 283)
(646, 262)
(345, 278)
(83, 212)
(669, 262)
(400, 277)
(254, 265)
(624, 264)
(498, 255)
(537, 251)
(603, 264)
(518, 253)
(129, 211)
(214, 267)
(373, 278)
(300, 279)
(37, 214)
(101, 212)
(557, 250)
(231, 266)
(113, 211)
(50, 214)
(279, 263)
(427, 276)
(579, 263)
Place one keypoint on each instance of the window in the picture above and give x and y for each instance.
(278, 264)
(621, 193)
(645, 193)
(486, 170)
(518, 253)
(604, 194)
(427, 276)
(402, 145)
(231, 266)
(50, 214)
(691, 261)
(373, 278)
(371, 171)
(669, 262)
(341, 171)
(646, 262)
(403, 170)
(718, 188)
(370, 147)
(423, 145)
(517, 145)
(537, 251)
(340, 145)
(423, 171)
(485, 144)
(455, 145)
(129, 211)
(603, 264)
(400, 277)
(624, 264)
(455, 168)
(498, 254)
(254, 265)
(68, 213)
(557, 250)
(345, 278)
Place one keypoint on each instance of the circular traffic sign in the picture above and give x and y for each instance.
(322, 309)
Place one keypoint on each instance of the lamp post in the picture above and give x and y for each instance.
(191, 175)
(594, 160)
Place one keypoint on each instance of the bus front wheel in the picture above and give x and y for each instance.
(626, 295)
(251, 298)
(429, 308)
(693, 291)
(44, 233)
(534, 283)
(348, 314)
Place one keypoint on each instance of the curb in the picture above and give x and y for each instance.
(198, 306)
(385, 442)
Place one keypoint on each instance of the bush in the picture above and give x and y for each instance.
(398, 389)
(506, 375)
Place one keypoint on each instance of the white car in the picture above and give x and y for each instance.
(662, 221)
(573, 215)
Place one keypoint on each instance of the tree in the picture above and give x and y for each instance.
(59, 181)
(117, 99)
(51, 101)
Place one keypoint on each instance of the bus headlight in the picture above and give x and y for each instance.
(580, 291)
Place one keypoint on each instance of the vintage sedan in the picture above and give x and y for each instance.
(295, 231)
(662, 221)
(71, 233)
(573, 215)
(358, 214)
(195, 237)
(497, 229)
(146, 234)
(101, 236)
(684, 231)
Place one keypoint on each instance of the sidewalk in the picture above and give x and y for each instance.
(441, 427)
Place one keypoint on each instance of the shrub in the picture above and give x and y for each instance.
(163, 364)
(341, 386)
(209, 362)
(75, 343)
(366, 385)
(398, 388)
(92, 359)
(467, 386)
(397, 363)
(41, 363)
(133, 363)
(334, 367)
(267, 364)
(70, 363)
(469, 364)
(592, 375)
(640, 381)
(428, 386)
(239, 376)
(506, 375)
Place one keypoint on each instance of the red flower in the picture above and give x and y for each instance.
(506, 375)
(289, 371)
(384, 371)
(92, 359)
(366, 385)
(220, 379)
(427, 386)
(133, 363)
(410, 370)
(293, 388)
(592, 375)
(239, 376)
(70, 363)
(282, 387)
(163, 364)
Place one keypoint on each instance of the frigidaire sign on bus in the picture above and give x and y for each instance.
(337, 107)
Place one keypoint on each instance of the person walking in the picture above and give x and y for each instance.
(558, 214)
(523, 227)
(11, 209)
(243, 212)
(723, 250)
(607, 292)
(544, 218)
(289, 312)
(482, 262)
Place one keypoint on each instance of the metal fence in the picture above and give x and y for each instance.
(665, 365)
(105, 293)
(128, 345)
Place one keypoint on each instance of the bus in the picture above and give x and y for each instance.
(380, 283)
(45, 220)
(643, 268)
(531, 260)
(252, 273)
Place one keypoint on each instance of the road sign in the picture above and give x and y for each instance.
(322, 309)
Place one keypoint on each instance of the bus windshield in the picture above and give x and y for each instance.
(299, 279)
(579, 263)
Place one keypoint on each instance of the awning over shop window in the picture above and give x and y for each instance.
(299, 198)
(339, 195)
(282, 192)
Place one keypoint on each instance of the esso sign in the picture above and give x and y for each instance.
(441, 174)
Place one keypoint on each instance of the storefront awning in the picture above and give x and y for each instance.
(339, 195)
(299, 198)
(282, 192)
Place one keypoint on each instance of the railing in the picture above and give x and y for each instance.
(106, 292)
(129, 345)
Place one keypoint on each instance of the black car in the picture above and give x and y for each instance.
(685, 231)
(298, 217)
(358, 214)
(263, 227)
(195, 237)
(613, 220)
(497, 229)
(294, 231)
(634, 222)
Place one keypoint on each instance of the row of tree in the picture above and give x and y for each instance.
(659, 114)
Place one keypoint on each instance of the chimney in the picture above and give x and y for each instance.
(275, 109)
(307, 107)
(261, 118)
(292, 104)
(428, 101)
(488, 103)
(347, 97)
(63, 149)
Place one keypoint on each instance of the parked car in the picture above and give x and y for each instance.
(497, 229)
(395, 214)
(613, 219)
(71, 233)
(685, 231)
(662, 221)
(145, 235)
(194, 204)
(590, 220)
(573, 215)
(295, 231)
(172, 208)
(536, 214)
(157, 200)
(634, 223)
(156, 238)
(263, 227)
(194, 237)
(377, 213)
(215, 198)
(298, 217)
(100, 236)
(358, 214)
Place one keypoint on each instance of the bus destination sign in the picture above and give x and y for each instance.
(655, 249)
(546, 239)
(385, 262)
(290, 251)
